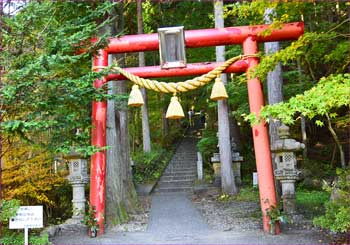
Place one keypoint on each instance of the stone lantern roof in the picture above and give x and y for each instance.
(286, 144)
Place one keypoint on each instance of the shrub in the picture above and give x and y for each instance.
(336, 217)
(12, 237)
(149, 166)
(208, 144)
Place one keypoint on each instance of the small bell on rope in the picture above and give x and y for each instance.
(174, 110)
(218, 91)
(135, 97)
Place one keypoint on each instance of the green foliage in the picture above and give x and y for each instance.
(238, 97)
(11, 237)
(8, 209)
(149, 166)
(207, 145)
(248, 194)
(314, 171)
(224, 198)
(331, 92)
(90, 219)
(47, 86)
(275, 214)
(63, 209)
(175, 13)
(336, 217)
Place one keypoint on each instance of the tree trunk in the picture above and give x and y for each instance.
(1, 138)
(146, 136)
(165, 124)
(336, 139)
(227, 179)
(130, 193)
(121, 194)
(303, 121)
(274, 91)
(349, 108)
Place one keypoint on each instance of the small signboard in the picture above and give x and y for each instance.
(255, 179)
(27, 217)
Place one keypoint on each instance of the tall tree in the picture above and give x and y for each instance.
(274, 89)
(227, 179)
(302, 119)
(1, 26)
(121, 195)
(146, 136)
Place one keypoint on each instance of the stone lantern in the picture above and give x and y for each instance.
(78, 177)
(286, 162)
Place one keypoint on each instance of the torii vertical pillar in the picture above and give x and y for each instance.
(98, 139)
(267, 190)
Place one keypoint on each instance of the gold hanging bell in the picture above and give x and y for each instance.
(135, 97)
(218, 91)
(174, 110)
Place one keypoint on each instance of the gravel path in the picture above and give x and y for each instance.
(174, 214)
(174, 219)
(232, 215)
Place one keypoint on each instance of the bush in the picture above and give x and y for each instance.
(149, 166)
(208, 144)
(314, 171)
(8, 209)
(337, 218)
(12, 237)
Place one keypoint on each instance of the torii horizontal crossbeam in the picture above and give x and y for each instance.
(194, 69)
(208, 37)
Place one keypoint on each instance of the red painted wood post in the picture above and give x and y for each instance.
(206, 37)
(190, 70)
(260, 136)
(98, 139)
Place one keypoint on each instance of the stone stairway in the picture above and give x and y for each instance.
(182, 169)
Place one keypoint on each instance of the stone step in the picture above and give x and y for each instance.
(180, 177)
(183, 164)
(178, 172)
(175, 183)
(186, 153)
(172, 190)
(183, 159)
(183, 168)
(179, 160)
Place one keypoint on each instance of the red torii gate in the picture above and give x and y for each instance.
(249, 37)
